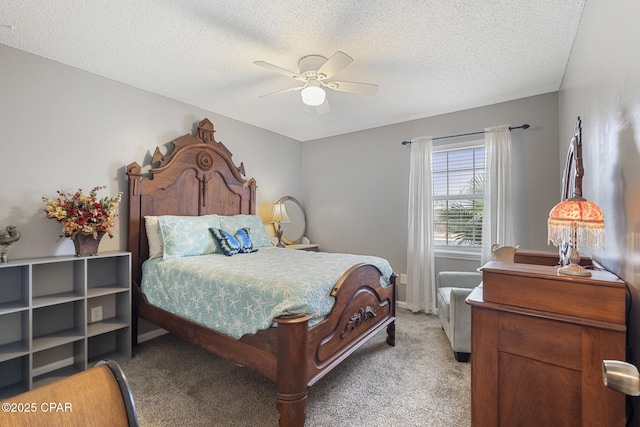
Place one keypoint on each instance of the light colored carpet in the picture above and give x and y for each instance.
(416, 383)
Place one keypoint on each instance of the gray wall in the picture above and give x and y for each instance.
(356, 185)
(602, 86)
(61, 127)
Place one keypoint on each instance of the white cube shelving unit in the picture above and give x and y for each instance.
(46, 332)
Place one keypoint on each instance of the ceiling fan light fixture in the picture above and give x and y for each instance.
(313, 95)
(315, 75)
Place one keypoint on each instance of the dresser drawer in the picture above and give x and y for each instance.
(600, 297)
(545, 340)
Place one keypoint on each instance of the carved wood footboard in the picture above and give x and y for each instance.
(362, 308)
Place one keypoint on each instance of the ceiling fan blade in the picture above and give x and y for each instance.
(352, 87)
(324, 107)
(277, 69)
(291, 89)
(334, 65)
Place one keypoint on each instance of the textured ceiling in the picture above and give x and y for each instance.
(428, 57)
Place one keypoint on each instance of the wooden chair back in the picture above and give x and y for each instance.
(97, 397)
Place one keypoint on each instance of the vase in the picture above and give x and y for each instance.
(86, 244)
(504, 253)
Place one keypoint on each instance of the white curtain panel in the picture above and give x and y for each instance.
(421, 290)
(498, 223)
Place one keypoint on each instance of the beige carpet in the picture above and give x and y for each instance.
(416, 383)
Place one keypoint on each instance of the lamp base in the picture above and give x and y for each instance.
(574, 270)
(279, 236)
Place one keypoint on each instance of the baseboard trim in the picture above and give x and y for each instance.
(151, 335)
(403, 304)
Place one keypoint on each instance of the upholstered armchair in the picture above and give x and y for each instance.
(454, 313)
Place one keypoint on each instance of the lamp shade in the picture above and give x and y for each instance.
(279, 213)
(313, 95)
(578, 222)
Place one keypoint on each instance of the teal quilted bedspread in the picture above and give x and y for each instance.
(243, 293)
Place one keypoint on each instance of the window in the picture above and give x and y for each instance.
(458, 185)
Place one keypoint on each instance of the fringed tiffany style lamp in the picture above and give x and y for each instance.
(579, 223)
(575, 222)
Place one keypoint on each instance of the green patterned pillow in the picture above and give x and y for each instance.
(257, 232)
(187, 235)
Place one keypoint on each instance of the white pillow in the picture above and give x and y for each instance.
(153, 236)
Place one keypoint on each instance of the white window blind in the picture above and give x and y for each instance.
(458, 185)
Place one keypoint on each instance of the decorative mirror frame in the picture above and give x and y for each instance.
(287, 236)
(572, 179)
(573, 169)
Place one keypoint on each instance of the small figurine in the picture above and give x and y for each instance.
(7, 237)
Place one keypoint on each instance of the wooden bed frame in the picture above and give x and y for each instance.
(198, 177)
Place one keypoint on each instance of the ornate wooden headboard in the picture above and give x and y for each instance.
(197, 178)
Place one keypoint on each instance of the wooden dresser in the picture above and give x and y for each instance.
(537, 345)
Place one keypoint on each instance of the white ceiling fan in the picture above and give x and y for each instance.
(315, 72)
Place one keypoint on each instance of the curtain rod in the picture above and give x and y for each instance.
(524, 126)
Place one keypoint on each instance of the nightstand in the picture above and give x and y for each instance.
(304, 247)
